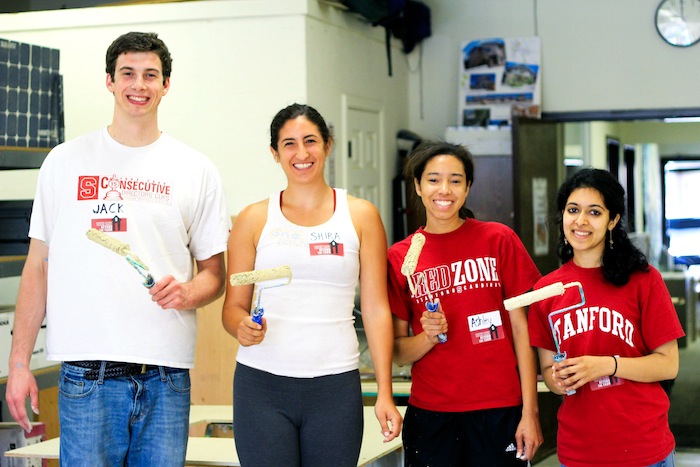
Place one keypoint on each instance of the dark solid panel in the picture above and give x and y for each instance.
(681, 286)
(536, 161)
(491, 196)
(14, 227)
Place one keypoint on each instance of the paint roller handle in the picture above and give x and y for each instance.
(257, 315)
(148, 280)
(431, 307)
(529, 298)
(558, 358)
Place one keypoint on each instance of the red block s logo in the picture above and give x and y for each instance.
(88, 187)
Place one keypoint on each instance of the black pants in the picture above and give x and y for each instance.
(309, 422)
(480, 438)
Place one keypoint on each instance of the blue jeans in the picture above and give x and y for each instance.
(140, 420)
(670, 461)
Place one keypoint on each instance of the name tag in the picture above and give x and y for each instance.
(605, 382)
(486, 327)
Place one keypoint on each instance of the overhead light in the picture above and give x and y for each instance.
(573, 162)
(682, 120)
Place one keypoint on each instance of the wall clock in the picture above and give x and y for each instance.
(678, 22)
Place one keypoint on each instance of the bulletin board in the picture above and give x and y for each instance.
(499, 77)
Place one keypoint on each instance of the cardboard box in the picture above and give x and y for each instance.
(12, 436)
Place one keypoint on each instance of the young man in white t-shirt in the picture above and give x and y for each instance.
(124, 388)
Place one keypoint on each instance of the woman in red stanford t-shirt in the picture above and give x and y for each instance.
(619, 344)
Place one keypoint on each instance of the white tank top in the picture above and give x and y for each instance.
(310, 321)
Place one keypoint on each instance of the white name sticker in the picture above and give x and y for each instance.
(486, 327)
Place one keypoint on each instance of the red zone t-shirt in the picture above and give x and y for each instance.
(471, 270)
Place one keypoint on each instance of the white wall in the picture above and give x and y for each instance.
(596, 55)
(434, 103)
(229, 58)
(235, 64)
(354, 64)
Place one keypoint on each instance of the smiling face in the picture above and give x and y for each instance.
(301, 150)
(138, 85)
(443, 189)
(586, 222)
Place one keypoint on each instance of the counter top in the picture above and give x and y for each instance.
(222, 451)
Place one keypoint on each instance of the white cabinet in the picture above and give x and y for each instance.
(38, 359)
(7, 316)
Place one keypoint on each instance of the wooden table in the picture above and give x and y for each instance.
(222, 451)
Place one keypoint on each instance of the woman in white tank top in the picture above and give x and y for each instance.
(297, 395)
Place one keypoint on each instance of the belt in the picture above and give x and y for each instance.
(112, 369)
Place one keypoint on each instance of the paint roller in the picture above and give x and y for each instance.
(410, 261)
(408, 268)
(261, 275)
(122, 249)
(552, 290)
(538, 295)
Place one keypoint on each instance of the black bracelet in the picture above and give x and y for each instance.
(614, 358)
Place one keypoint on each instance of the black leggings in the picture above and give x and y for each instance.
(309, 422)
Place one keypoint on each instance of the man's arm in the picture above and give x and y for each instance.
(29, 314)
(205, 287)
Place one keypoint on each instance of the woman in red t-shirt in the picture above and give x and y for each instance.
(617, 345)
(473, 398)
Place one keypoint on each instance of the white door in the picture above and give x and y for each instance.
(363, 153)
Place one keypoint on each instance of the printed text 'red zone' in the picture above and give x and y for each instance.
(470, 271)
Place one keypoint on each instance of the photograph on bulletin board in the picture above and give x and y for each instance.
(499, 77)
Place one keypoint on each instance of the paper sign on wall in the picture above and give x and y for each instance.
(498, 78)
(540, 207)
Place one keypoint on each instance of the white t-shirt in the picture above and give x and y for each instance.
(166, 201)
(310, 322)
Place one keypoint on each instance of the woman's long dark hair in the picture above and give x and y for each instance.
(622, 258)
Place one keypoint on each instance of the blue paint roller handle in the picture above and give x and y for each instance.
(442, 338)
(558, 358)
(257, 315)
